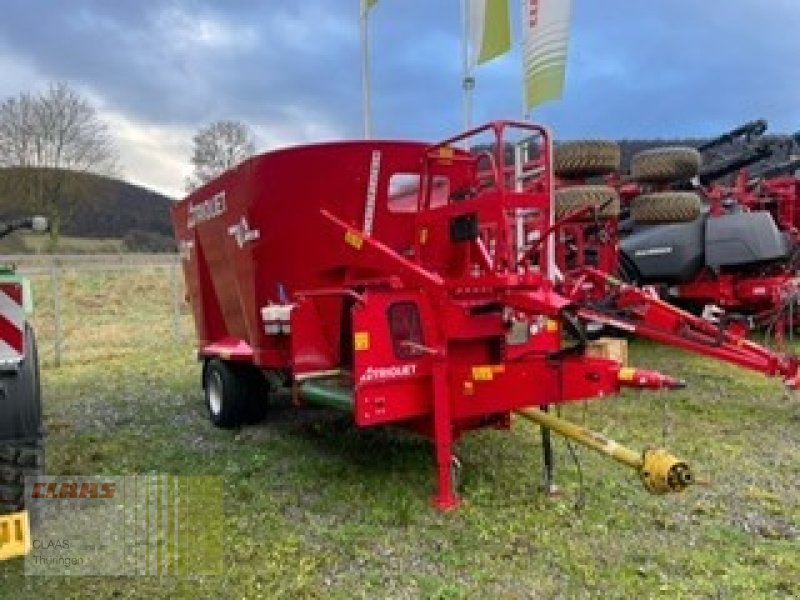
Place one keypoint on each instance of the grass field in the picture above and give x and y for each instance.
(315, 508)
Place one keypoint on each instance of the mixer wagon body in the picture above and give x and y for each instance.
(255, 236)
(387, 279)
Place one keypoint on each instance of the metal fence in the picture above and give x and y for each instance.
(30, 262)
(89, 306)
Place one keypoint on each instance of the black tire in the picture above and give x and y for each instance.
(585, 158)
(602, 197)
(666, 207)
(17, 461)
(21, 396)
(21, 436)
(665, 165)
(234, 393)
(225, 392)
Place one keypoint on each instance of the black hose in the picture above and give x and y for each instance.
(575, 329)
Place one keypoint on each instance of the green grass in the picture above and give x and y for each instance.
(314, 507)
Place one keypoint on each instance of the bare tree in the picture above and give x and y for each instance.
(217, 148)
(48, 142)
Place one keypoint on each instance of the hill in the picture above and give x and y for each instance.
(99, 207)
(117, 208)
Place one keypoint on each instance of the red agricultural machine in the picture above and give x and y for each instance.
(415, 285)
(709, 237)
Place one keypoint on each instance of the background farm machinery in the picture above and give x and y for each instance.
(690, 222)
(417, 285)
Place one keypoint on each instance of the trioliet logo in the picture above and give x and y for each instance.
(206, 210)
(386, 373)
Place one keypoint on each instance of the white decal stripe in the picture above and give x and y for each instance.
(13, 312)
(372, 192)
(8, 353)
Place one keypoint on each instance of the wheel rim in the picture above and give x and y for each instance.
(215, 393)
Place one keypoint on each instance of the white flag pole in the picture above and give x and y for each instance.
(365, 83)
(526, 15)
(468, 81)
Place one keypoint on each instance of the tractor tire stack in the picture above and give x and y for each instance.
(665, 207)
(573, 163)
(661, 167)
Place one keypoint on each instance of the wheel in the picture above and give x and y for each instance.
(225, 391)
(21, 443)
(21, 397)
(17, 461)
(665, 165)
(666, 207)
(570, 199)
(235, 393)
(585, 158)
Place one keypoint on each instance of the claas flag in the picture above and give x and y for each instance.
(545, 25)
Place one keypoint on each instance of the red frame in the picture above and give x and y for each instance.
(309, 229)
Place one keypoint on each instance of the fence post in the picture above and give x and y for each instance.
(55, 283)
(176, 301)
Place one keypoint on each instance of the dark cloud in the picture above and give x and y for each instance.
(680, 67)
(292, 68)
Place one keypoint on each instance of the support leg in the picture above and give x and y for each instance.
(445, 498)
(782, 330)
(550, 486)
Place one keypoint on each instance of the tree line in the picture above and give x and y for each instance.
(52, 143)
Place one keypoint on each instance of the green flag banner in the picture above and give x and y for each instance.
(489, 30)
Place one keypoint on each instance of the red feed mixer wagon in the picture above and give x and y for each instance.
(405, 283)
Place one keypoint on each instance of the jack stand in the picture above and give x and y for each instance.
(550, 487)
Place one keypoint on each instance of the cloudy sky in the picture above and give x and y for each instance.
(157, 70)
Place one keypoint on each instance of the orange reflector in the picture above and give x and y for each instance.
(626, 374)
(361, 341)
(354, 239)
(482, 373)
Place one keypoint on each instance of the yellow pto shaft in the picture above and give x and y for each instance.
(659, 471)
